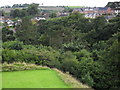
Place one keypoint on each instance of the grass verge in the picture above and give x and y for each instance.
(69, 80)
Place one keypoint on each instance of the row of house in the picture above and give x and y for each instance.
(92, 12)
(11, 25)
(38, 18)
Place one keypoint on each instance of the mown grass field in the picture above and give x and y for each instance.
(75, 6)
(32, 79)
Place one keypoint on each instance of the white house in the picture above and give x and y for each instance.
(38, 18)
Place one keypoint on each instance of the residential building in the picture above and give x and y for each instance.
(60, 14)
(38, 18)
(92, 12)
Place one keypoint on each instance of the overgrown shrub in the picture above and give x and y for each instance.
(69, 62)
(87, 79)
(82, 54)
(15, 45)
(11, 56)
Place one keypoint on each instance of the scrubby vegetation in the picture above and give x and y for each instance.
(86, 48)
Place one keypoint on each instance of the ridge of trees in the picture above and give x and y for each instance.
(32, 10)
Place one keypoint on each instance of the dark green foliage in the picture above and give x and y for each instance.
(39, 54)
(112, 65)
(53, 15)
(82, 54)
(84, 70)
(69, 62)
(88, 79)
(15, 13)
(23, 13)
(16, 45)
(7, 35)
(27, 32)
(11, 56)
(101, 45)
(18, 13)
(33, 9)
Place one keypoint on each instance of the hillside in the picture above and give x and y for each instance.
(86, 48)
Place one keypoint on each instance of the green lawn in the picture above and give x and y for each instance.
(32, 79)
(75, 6)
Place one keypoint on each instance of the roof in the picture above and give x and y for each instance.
(91, 9)
(102, 8)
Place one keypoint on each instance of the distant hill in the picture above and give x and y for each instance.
(51, 8)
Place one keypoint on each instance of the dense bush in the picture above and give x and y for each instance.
(82, 54)
(11, 56)
(87, 79)
(7, 35)
(15, 45)
(14, 51)
(69, 62)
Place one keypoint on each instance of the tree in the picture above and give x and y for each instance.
(113, 63)
(7, 35)
(109, 29)
(85, 69)
(110, 63)
(53, 15)
(33, 9)
(99, 23)
(15, 13)
(27, 32)
(15, 45)
(23, 13)
(69, 62)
